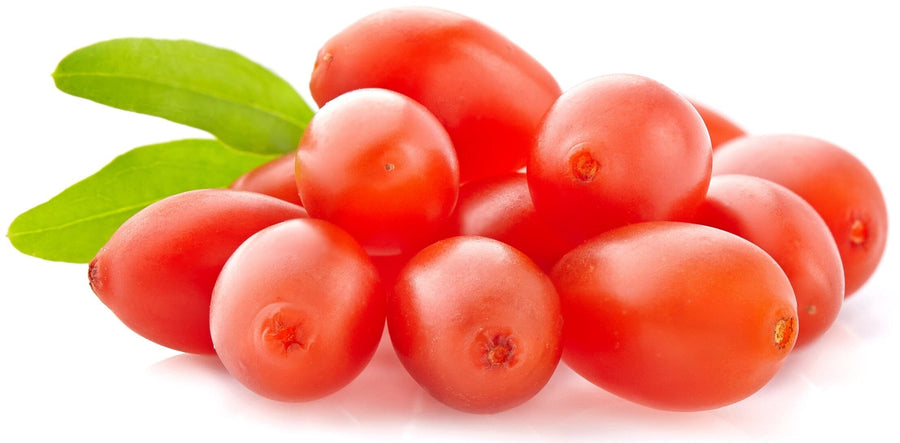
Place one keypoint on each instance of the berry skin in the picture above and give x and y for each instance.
(274, 178)
(390, 181)
(157, 271)
(792, 232)
(487, 92)
(674, 315)
(476, 323)
(837, 184)
(615, 150)
(298, 311)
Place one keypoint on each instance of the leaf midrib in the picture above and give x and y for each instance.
(262, 110)
(118, 211)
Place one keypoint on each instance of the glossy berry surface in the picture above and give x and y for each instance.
(836, 183)
(157, 271)
(721, 128)
(274, 178)
(789, 229)
(618, 149)
(298, 311)
(380, 166)
(487, 92)
(476, 323)
(500, 207)
(674, 315)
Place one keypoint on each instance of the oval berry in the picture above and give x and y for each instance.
(837, 184)
(476, 323)
(380, 166)
(487, 92)
(298, 311)
(789, 229)
(618, 149)
(674, 315)
(157, 271)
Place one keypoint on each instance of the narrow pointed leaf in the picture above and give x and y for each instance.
(213, 89)
(72, 226)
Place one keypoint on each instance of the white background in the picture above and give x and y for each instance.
(70, 369)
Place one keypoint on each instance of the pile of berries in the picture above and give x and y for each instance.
(449, 189)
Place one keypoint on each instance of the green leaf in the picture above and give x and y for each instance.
(216, 90)
(72, 226)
